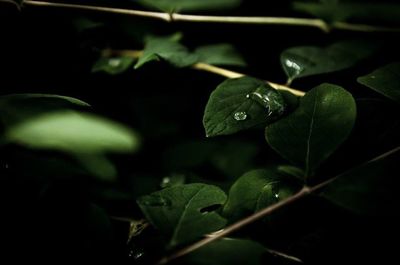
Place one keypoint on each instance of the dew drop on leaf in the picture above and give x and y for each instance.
(240, 116)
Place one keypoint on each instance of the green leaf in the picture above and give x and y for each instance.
(227, 251)
(310, 60)
(73, 132)
(323, 121)
(168, 49)
(189, 5)
(19, 107)
(385, 80)
(254, 191)
(239, 104)
(220, 54)
(113, 66)
(370, 189)
(181, 212)
(333, 11)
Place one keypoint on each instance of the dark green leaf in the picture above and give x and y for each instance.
(254, 191)
(333, 11)
(168, 49)
(310, 60)
(181, 212)
(227, 251)
(189, 5)
(220, 54)
(385, 80)
(308, 136)
(113, 66)
(18, 107)
(239, 104)
(73, 132)
(369, 189)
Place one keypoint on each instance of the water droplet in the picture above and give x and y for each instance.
(248, 96)
(135, 253)
(269, 99)
(296, 68)
(373, 77)
(114, 62)
(165, 181)
(277, 195)
(240, 116)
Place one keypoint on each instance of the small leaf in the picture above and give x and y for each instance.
(227, 251)
(254, 191)
(220, 54)
(310, 60)
(239, 104)
(333, 11)
(370, 189)
(166, 48)
(323, 121)
(189, 5)
(113, 66)
(179, 213)
(73, 132)
(385, 80)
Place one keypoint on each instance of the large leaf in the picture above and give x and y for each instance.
(113, 66)
(369, 189)
(189, 5)
(310, 60)
(332, 11)
(73, 132)
(184, 212)
(220, 54)
(166, 48)
(308, 136)
(18, 107)
(227, 251)
(239, 104)
(254, 191)
(385, 80)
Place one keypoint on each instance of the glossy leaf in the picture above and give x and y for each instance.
(333, 11)
(113, 66)
(189, 5)
(239, 104)
(168, 49)
(385, 80)
(73, 132)
(310, 60)
(254, 191)
(227, 251)
(181, 212)
(323, 121)
(370, 189)
(19, 107)
(220, 54)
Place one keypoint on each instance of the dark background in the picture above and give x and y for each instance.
(51, 214)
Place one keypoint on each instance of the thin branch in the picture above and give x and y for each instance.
(304, 192)
(231, 74)
(284, 255)
(289, 21)
(203, 67)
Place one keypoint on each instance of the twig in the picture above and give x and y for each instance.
(289, 21)
(203, 67)
(305, 191)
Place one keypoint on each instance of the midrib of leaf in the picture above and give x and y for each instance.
(181, 218)
(309, 136)
(262, 190)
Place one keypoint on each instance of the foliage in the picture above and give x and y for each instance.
(116, 147)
